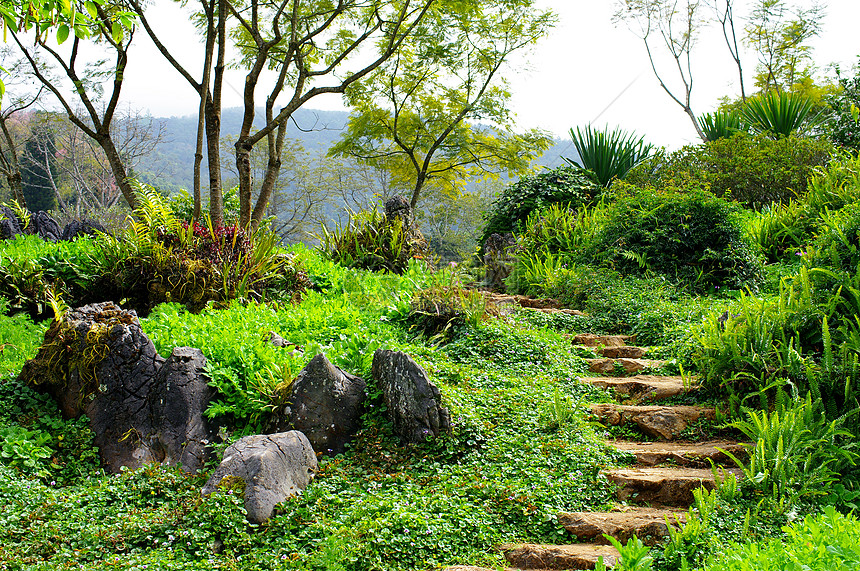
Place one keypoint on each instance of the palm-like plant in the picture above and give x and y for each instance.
(721, 124)
(778, 112)
(608, 154)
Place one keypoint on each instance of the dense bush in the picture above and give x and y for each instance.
(689, 235)
(753, 170)
(569, 186)
(370, 241)
(157, 258)
(837, 244)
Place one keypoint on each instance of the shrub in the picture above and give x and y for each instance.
(753, 170)
(164, 259)
(721, 124)
(370, 241)
(833, 186)
(837, 245)
(782, 230)
(568, 186)
(689, 235)
(792, 451)
(778, 113)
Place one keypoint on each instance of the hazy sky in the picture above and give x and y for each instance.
(572, 78)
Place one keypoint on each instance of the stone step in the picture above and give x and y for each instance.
(642, 388)
(629, 366)
(666, 422)
(576, 556)
(695, 454)
(622, 352)
(592, 340)
(662, 486)
(648, 524)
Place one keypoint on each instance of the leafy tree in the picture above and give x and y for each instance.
(90, 27)
(780, 35)
(414, 114)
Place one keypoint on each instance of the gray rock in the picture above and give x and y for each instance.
(414, 403)
(498, 259)
(77, 228)
(179, 397)
(97, 361)
(46, 227)
(326, 405)
(9, 224)
(274, 467)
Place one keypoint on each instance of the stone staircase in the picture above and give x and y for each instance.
(658, 488)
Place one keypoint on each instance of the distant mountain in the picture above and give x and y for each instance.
(171, 166)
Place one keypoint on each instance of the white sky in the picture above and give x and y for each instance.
(567, 81)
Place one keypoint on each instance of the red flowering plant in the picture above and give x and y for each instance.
(163, 258)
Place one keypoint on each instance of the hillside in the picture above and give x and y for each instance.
(171, 166)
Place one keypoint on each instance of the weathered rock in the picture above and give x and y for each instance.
(665, 422)
(398, 208)
(592, 340)
(623, 352)
(498, 259)
(642, 387)
(178, 398)
(77, 228)
(604, 366)
(662, 486)
(97, 361)
(274, 467)
(414, 402)
(9, 224)
(46, 227)
(648, 524)
(326, 405)
(699, 454)
(578, 556)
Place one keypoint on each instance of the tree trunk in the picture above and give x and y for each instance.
(117, 168)
(213, 155)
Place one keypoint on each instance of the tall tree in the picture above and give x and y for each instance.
(414, 114)
(312, 45)
(670, 25)
(780, 35)
(100, 26)
(212, 20)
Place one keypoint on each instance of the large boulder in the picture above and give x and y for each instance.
(44, 226)
(326, 405)
(9, 224)
(414, 402)
(77, 228)
(273, 468)
(498, 259)
(97, 361)
(180, 395)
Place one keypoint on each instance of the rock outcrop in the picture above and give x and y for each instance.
(498, 260)
(325, 404)
(273, 468)
(98, 362)
(414, 402)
